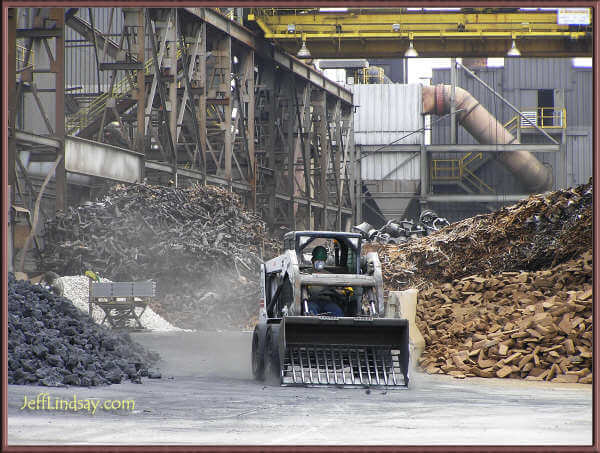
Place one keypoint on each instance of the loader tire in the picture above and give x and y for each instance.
(258, 353)
(272, 364)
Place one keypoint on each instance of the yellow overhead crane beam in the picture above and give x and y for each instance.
(387, 33)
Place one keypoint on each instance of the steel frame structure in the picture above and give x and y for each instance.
(386, 32)
(204, 99)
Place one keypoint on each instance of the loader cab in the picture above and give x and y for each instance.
(343, 250)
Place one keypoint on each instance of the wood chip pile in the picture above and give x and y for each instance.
(193, 242)
(532, 325)
(536, 233)
(507, 294)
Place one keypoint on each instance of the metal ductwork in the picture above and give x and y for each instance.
(486, 129)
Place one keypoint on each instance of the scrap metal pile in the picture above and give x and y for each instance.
(399, 231)
(507, 294)
(536, 233)
(52, 343)
(195, 243)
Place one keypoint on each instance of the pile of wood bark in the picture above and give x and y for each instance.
(532, 325)
(536, 233)
(506, 294)
(192, 242)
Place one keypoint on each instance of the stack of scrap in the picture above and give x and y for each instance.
(191, 241)
(532, 325)
(536, 233)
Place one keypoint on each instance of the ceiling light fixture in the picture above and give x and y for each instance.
(513, 51)
(411, 52)
(303, 52)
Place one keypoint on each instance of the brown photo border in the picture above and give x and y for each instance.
(595, 5)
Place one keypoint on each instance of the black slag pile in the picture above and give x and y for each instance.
(200, 246)
(52, 343)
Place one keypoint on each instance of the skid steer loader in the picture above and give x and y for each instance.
(298, 342)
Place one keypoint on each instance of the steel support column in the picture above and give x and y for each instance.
(172, 83)
(58, 14)
(141, 84)
(320, 108)
(12, 95)
(202, 85)
(246, 91)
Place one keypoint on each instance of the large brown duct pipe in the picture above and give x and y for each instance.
(487, 130)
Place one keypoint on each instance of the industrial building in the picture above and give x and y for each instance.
(461, 177)
(236, 97)
(302, 225)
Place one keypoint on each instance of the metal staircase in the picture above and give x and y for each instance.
(461, 172)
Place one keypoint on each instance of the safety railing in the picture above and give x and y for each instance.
(476, 181)
(546, 118)
(542, 117)
(457, 170)
(372, 74)
(512, 124)
(445, 170)
(21, 53)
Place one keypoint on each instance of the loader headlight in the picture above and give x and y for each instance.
(319, 265)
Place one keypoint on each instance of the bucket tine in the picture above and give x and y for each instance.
(368, 367)
(359, 366)
(342, 366)
(293, 365)
(383, 367)
(334, 368)
(374, 354)
(317, 363)
(326, 367)
(301, 365)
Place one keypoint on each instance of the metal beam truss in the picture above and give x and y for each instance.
(36, 99)
(386, 32)
(203, 99)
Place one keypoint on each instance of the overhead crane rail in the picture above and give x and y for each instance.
(387, 32)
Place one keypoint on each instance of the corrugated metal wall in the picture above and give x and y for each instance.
(387, 112)
(537, 73)
(390, 165)
(579, 99)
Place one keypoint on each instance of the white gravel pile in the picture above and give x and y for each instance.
(76, 289)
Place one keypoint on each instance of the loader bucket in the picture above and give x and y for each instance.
(346, 352)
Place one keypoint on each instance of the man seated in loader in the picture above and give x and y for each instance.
(321, 296)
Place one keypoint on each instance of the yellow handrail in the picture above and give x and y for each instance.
(469, 175)
(445, 170)
(545, 118)
(21, 51)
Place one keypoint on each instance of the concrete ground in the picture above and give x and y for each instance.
(207, 397)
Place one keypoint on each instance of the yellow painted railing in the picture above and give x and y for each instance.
(542, 117)
(21, 51)
(545, 118)
(445, 170)
(457, 170)
(372, 74)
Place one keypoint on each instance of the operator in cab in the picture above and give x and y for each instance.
(320, 301)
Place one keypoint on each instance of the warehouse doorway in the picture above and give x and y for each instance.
(545, 113)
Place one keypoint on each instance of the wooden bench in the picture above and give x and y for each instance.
(119, 301)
